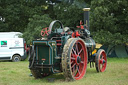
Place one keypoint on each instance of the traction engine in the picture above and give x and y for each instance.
(66, 50)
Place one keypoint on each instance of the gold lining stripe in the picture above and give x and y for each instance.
(41, 42)
(86, 9)
(52, 52)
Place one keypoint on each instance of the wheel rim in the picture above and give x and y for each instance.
(78, 60)
(16, 59)
(102, 61)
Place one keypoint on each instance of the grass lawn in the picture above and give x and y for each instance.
(17, 73)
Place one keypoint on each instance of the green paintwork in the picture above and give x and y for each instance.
(46, 55)
(43, 54)
(3, 42)
(54, 57)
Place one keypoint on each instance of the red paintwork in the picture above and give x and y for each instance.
(58, 44)
(69, 32)
(45, 31)
(81, 26)
(78, 68)
(58, 40)
(26, 48)
(102, 65)
(43, 59)
(81, 22)
(75, 34)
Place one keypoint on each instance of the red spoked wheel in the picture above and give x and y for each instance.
(44, 31)
(101, 61)
(74, 59)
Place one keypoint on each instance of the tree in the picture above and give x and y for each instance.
(108, 21)
(34, 27)
(17, 13)
(70, 13)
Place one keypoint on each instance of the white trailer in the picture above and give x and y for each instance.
(12, 47)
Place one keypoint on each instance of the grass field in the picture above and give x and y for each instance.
(17, 73)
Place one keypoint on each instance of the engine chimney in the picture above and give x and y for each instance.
(86, 16)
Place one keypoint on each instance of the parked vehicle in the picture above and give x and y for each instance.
(12, 47)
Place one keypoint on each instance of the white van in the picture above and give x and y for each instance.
(12, 47)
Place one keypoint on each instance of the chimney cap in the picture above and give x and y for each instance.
(86, 9)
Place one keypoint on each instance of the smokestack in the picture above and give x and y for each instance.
(86, 16)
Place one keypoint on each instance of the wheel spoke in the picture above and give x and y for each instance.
(72, 55)
(74, 51)
(77, 48)
(82, 62)
(47, 33)
(77, 73)
(102, 57)
(43, 34)
(80, 52)
(74, 71)
(104, 62)
(78, 70)
(72, 58)
(73, 65)
(72, 62)
(101, 61)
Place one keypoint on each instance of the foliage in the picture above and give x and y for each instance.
(34, 27)
(106, 37)
(16, 14)
(70, 14)
(108, 18)
(60, 11)
(63, 13)
(109, 21)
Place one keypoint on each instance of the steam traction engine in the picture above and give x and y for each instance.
(66, 50)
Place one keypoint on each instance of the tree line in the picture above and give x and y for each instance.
(108, 18)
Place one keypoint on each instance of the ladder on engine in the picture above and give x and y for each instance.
(59, 44)
(58, 41)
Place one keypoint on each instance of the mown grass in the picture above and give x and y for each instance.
(17, 73)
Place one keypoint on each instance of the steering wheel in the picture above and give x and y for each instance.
(52, 24)
(44, 31)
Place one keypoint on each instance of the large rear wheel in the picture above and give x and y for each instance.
(74, 59)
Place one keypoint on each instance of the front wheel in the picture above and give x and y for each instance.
(101, 61)
(36, 72)
(16, 58)
(74, 59)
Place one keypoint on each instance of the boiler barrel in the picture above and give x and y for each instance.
(90, 43)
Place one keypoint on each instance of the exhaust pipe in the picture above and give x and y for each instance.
(86, 16)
